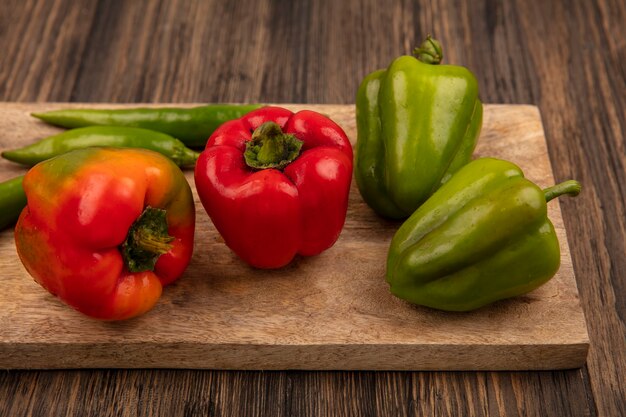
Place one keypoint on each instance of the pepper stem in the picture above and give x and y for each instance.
(270, 147)
(146, 241)
(429, 52)
(570, 187)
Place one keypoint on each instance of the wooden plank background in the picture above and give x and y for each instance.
(566, 57)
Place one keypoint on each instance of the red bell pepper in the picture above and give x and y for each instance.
(276, 184)
(105, 229)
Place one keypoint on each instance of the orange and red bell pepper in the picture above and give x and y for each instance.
(105, 229)
(276, 184)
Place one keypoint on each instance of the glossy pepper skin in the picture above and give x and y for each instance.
(12, 201)
(483, 236)
(105, 229)
(191, 125)
(116, 136)
(276, 184)
(417, 123)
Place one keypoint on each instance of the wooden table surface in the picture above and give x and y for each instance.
(566, 57)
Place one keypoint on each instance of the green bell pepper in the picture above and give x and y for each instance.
(483, 236)
(417, 124)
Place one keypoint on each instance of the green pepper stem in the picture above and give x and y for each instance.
(270, 147)
(570, 187)
(429, 52)
(153, 243)
(147, 240)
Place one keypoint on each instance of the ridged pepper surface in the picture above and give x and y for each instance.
(105, 229)
(483, 236)
(275, 184)
(417, 123)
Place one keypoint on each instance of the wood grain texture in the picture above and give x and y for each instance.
(566, 57)
(331, 311)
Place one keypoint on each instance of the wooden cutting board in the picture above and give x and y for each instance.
(332, 311)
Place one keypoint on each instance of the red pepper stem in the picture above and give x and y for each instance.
(570, 187)
(146, 241)
(429, 52)
(270, 147)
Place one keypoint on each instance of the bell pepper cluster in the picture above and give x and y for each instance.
(107, 216)
(476, 232)
(106, 227)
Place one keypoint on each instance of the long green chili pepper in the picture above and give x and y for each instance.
(114, 136)
(192, 126)
(12, 201)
